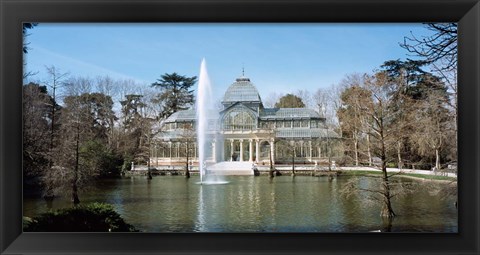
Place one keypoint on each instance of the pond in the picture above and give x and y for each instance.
(259, 204)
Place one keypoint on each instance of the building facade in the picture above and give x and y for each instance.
(244, 130)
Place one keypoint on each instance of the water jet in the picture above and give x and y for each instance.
(204, 107)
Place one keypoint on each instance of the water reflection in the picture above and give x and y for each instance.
(260, 204)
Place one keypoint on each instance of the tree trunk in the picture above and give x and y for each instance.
(355, 142)
(368, 151)
(387, 211)
(75, 199)
(437, 159)
(149, 171)
(49, 194)
(399, 155)
(187, 172)
(270, 173)
(293, 161)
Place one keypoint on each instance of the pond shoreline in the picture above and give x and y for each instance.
(282, 171)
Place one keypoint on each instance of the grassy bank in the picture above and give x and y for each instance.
(411, 175)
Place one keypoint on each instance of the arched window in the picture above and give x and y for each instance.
(238, 120)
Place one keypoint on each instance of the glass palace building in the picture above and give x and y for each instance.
(244, 130)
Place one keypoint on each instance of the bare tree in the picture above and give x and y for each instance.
(306, 97)
(431, 130)
(56, 81)
(188, 137)
(351, 114)
(36, 130)
(272, 99)
(440, 50)
(320, 100)
(441, 45)
(379, 110)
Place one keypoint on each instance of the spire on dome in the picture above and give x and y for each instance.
(243, 78)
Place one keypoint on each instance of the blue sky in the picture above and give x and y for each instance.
(279, 58)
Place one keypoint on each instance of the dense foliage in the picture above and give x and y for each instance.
(96, 217)
(290, 101)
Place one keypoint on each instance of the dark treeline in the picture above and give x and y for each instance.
(77, 129)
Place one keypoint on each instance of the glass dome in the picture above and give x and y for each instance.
(242, 90)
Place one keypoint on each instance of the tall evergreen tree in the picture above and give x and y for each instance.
(176, 93)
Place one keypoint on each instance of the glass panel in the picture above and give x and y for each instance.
(238, 120)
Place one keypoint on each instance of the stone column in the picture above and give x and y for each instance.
(257, 150)
(170, 149)
(301, 149)
(310, 149)
(214, 157)
(250, 150)
(194, 150)
(156, 153)
(178, 149)
(272, 149)
(241, 150)
(231, 149)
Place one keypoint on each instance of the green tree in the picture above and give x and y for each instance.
(26, 26)
(132, 108)
(133, 125)
(101, 160)
(290, 101)
(99, 113)
(176, 93)
(407, 78)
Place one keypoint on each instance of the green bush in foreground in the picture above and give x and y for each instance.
(96, 217)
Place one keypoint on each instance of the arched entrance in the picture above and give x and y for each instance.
(264, 151)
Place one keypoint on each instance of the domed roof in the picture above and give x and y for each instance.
(242, 90)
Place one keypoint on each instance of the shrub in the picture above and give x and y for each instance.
(391, 165)
(96, 217)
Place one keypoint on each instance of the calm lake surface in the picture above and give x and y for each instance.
(259, 204)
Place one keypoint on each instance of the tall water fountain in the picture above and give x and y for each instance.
(204, 107)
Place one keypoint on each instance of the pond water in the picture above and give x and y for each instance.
(259, 204)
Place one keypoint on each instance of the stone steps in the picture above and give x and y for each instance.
(231, 168)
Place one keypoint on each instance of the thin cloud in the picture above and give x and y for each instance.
(70, 64)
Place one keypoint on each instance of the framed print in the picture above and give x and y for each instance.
(239, 126)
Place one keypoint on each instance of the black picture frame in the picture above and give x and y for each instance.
(14, 12)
